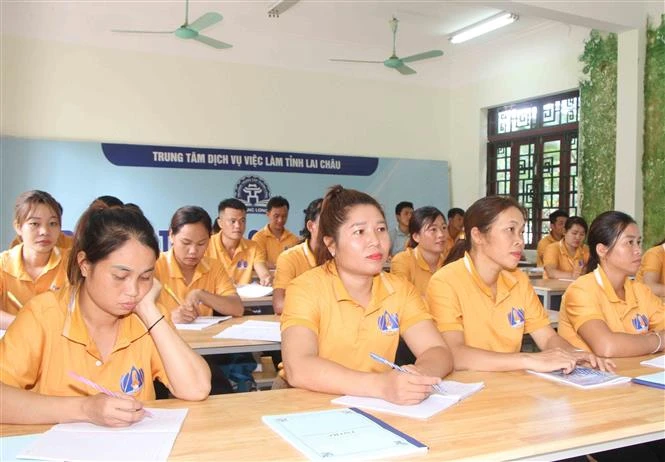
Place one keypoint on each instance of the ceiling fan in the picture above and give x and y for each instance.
(395, 62)
(189, 30)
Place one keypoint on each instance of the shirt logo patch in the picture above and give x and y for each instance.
(132, 382)
(640, 323)
(516, 317)
(242, 264)
(388, 322)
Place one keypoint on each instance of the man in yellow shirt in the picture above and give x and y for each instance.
(652, 270)
(557, 228)
(274, 238)
(455, 225)
(239, 256)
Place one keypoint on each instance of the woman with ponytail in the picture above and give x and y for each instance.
(605, 311)
(104, 327)
(338, 313)
(483, 305)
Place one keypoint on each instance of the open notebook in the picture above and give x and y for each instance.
(584, 377)
(452, 392)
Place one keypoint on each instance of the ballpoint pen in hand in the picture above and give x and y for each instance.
(101, 389)
(383, 360)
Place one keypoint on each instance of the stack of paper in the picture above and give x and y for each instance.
(253, 330)
(342, 434)
(452, 392)
(584, 377)
(253, 291)
(202, 322)
(148, 440)
(658, 361)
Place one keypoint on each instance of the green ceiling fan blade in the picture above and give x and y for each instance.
(126, 31)
(405, 70)
(207, 20)
(424, 55)
(212, 42)
(354, 61)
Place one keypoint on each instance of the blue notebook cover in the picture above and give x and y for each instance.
(656, 380)
(343, 434)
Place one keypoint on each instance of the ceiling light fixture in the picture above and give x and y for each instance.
(486, 25)
(280, 7)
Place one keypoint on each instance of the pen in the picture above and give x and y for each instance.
(172, 294)
(383, 360)
(14, 300)
(101, 389)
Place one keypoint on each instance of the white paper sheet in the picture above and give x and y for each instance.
(253, 330)
(202, 322)
(253, 290)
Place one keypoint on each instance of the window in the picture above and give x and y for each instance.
(532, 155)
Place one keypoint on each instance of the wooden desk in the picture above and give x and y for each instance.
(203, 343)
(548, 288)
(516, 416)
(257, 301)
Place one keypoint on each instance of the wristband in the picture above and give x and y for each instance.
(660, 342)
(155, 323)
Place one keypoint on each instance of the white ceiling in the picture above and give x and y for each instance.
(302, 38)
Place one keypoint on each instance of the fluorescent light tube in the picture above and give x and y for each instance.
(483, 27)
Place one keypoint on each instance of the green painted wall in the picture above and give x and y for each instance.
(653, 162)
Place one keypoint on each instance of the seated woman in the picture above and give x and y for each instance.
(105, 326)
(604, 311)
(338, 313)
(652, 270)
(36, 264)
(294, 261)
(567, 258)
(426, 249)
(193, 285)
(483, 305)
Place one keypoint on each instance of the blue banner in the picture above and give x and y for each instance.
(133, 155)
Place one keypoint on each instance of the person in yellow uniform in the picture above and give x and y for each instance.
(557, 230)
(239, 256)
(652, 269)
(338, 313)
(567, 258)
(104, 327)
(426, 250)
(604, 311)
(293, 262)
(193, 285)
(36, 264)
(274, 238)
(483, 304)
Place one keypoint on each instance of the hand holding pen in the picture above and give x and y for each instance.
(110, 409)
(406, 384)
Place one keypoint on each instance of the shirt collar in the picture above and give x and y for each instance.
(175, 271)
(420, 260)
(381, 287)
(15, 266)
(309, 255)
(601, 279)
(504, 284)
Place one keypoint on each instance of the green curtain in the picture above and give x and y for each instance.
(598, 97)
(653, 161)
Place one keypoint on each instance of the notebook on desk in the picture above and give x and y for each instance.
(584, 377)
(342, 434)
(452, 392)
(658, 361)
(656, 380)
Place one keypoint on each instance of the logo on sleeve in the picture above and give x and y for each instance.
(388, 322)
(132, 382)
(242, 264)
(516, 317)
(640, 323)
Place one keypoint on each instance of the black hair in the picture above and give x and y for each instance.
(557, 214)
(403, 205)
(111, 201)
(421, 217)
(231, 203)
(575, 220)
(277, 201)
(484, 211)
(311, 213)
(455, 211)
(187, 215)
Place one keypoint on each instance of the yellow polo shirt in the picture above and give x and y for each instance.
(273, 245)
(592, 297)
(239, 266)
(411, 265)
(653, 261)
(209, 275)
(347, 333)
(64, 241)
(540, 249)
(49, 338)
(15, 280)
(556, 254)
(460, 301)
(292, 263)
